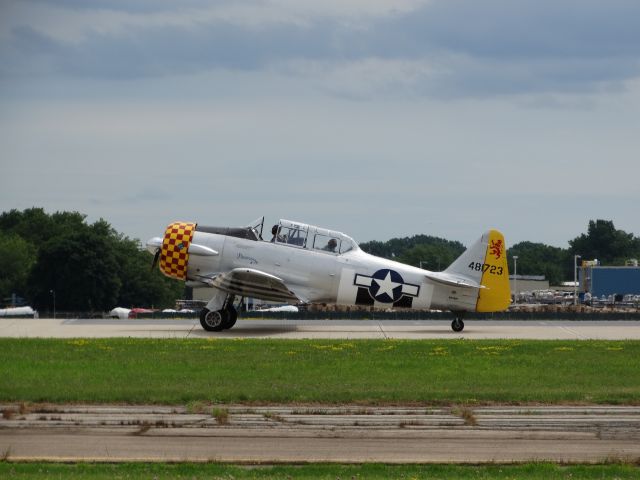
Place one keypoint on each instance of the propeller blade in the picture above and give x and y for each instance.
(155, 259)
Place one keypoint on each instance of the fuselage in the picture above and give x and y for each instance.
(350, 278)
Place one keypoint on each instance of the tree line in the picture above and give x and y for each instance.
(91, 267)
(602, 241)
(87, 267)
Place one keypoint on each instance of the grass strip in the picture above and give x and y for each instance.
(161, 471)
(167, 371)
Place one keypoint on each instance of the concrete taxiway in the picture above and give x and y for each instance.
(320, 434)
(323, 329)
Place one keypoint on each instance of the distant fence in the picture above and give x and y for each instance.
(375, 315)
(411, 315)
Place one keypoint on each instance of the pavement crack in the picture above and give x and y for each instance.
(190, 330)
(382, 330)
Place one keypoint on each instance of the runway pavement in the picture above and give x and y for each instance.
(325, 329)
(321, 434)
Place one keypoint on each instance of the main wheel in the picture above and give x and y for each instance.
(457, 325)
(231, 315)
(212, 320)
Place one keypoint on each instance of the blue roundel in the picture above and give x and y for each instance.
(386, 286)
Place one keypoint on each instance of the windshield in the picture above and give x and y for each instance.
(312, 238)
(257, 225)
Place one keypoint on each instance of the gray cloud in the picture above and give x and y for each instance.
(133, 6)
(477, 48)
(511, 30)
(172, 50)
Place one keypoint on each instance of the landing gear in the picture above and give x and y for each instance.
(231, 315)
(212, 320)
(218, 320)
(457, 325)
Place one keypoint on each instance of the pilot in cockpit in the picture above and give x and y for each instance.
(275, 231)
(331, 246)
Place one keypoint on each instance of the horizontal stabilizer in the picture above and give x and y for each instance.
(452, 280)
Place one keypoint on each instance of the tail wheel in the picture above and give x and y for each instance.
(212, 320)
(457, 325)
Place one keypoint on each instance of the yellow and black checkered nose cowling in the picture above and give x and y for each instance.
(174, 255)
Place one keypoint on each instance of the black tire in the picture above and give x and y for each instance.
(457, 325)
(212, 321)
(230, 318)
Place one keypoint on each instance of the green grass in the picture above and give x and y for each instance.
(543, 471)
(364, 371)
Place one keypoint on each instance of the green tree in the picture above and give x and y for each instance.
(435, 253)
(541, 259)
(37, 227)
(142, 286)
(604, 242)
(81, 268)
(17, 257)
(434, 256)
(90, 267)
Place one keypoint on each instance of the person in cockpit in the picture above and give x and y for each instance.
(331, 246)
(275, 231)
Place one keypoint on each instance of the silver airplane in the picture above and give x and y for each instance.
(301, 263)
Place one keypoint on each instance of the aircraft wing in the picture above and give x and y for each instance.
(247, 282)
(452, 280)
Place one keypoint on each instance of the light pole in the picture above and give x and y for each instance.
(575, 279)
(53, 292)
(515, 279)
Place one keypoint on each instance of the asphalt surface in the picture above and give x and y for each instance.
(321, 434)
(318, 433)
(326, 329)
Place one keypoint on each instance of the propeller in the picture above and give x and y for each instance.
(154, 246)
(156, 257)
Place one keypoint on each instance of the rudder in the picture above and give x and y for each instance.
(496, 294)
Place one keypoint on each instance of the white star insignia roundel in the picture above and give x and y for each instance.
(386, 286)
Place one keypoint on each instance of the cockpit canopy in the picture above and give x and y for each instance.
(292, 234)
(300, 235)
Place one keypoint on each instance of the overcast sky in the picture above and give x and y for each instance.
(379, 118)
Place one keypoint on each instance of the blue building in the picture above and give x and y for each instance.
(607, 281)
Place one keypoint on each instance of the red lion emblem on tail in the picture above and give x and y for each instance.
(496, 247)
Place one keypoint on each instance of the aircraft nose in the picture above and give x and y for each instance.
(173, 250)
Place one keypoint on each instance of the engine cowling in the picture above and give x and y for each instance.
(174, 252)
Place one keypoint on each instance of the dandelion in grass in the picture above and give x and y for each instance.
(386, 349)
(493, 350)
(439, 351)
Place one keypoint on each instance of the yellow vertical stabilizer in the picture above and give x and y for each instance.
(496, 294)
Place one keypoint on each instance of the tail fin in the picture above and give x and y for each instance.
(485, 263)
